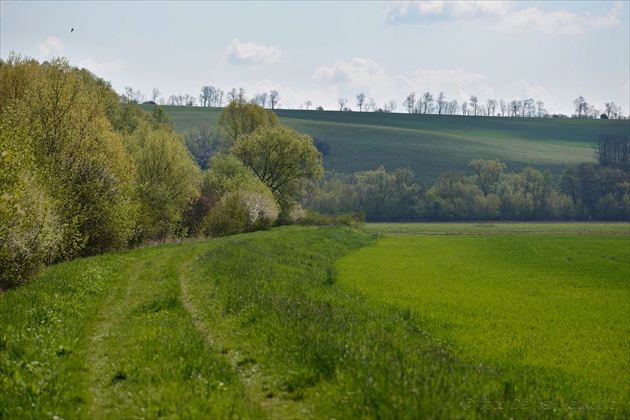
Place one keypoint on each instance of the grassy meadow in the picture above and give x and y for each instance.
(551, 309)
(304, 322)
(432, 144)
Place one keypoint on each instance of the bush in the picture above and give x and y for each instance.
(30, 231)
(241, 211)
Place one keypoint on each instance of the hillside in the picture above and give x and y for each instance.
(432, 144)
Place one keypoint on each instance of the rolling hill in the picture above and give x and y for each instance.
(431, 144)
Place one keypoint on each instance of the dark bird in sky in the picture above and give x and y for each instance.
(71, 30)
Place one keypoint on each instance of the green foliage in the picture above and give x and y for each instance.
(244, 203)
(30, 231)
(168, 180)
(203, 143)
(72, 166)
(282, 159)
(240, 118)
(241, 211)
(613, 150)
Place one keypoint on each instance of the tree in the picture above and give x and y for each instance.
(232, 95)
(241, 95)
(529, 108)
(371, 106)
(491, 105)
(261, 99)
(168, 180)
(452, 107)
(240, 118)
(613, 150)
(488, 173)
(308, 104)
(173, 100)
(155, 94)
(613, 111)
(360, 101)
(88, 176)
(243, 202)
(427, 103)
(441, 103)
(410, 102)
(274, 99)
(473, 104)
(282, 159)
(390, 106)
(203, 143)
(581, 107)
(342, 103)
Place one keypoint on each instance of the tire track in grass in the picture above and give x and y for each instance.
(224, 336)
(111, 313)
(146, 358)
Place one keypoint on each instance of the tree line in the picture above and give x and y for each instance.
(84, 171)
(425, 103)
(488, 193)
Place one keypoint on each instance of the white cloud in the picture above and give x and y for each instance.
(358, 72)
(416, 11)
(536, 20)
(459, 81)
(248, 53)
(525, 90)
(51, 47)
(101, 67)
(501, 17)
(347, 78)
(612, 19)
(560, 22)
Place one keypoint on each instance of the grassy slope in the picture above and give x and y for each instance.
(432, 144)
(247, 326)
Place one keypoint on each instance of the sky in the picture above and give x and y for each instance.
(320, 51)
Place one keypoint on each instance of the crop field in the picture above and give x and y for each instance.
(548, 309)
(325, 322)
(432, 144)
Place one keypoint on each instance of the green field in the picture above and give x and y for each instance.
(325, 322)
(432, 144)
(538, 306)
(489, 228)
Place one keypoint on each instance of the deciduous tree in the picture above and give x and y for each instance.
(281, 158)
(240, 118)
(360, 101)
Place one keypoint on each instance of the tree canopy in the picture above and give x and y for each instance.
(241, 117)
(281, 158)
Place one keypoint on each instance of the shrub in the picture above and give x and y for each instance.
(241, 211)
